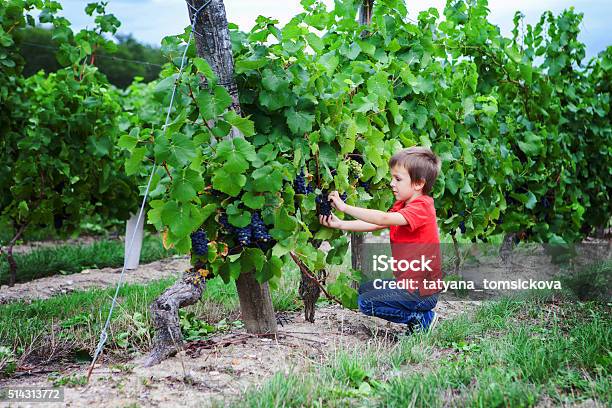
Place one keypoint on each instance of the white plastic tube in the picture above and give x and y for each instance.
(132, 260)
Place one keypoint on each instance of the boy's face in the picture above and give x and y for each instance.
(402, 186)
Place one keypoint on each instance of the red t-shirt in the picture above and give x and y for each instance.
(418, 240)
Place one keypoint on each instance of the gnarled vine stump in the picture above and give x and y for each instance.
(168, 339)
(309, 289)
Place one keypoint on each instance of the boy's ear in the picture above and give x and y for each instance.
(419, 184)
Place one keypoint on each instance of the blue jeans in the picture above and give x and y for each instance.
(394, 305)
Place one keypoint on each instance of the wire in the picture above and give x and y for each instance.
(103, 334)
(195, 16)
(49, 47)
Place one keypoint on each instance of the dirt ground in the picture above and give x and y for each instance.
(45, 288)
(219, 369)
(225, 366)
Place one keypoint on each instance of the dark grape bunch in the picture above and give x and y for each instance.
(199, 243)
(462, 223)
(214, 193)
(244, 235)
(255, 232)
(225, 223)
(365, 185)
(260, 232)
(300, 186)
(324, 205)
(462, 227)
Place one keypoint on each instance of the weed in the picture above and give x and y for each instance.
(8, 361)
(284, 391)
(70, 380)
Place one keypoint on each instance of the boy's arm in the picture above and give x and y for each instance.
(384, 219)
(377, 217)
(354, 225)
(361, 226)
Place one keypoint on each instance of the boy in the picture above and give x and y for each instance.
(413, 235)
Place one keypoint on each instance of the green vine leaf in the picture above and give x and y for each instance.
(213, 104)
(299, 122)
(186, 185)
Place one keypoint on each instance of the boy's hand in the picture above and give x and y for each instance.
(337, 202)
(330, 221)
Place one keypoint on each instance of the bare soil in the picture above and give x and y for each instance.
(222, 368)
(45, 288)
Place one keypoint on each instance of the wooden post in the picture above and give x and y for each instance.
(255, 305)
(131, 260)
(365, 12)
(357, 238)
(214, 45)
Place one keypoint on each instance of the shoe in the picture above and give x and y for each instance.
(434, 321)
(427, 322)
(412, 326)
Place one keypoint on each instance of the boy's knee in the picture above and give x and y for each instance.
(365, 287)
(365, 306)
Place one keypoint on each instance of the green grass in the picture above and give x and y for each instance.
(293, 390)
(74, 321)
(513, 352)
(68, 259)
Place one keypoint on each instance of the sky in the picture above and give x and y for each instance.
(151, 20)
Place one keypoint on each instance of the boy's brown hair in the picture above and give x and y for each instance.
(421, 164)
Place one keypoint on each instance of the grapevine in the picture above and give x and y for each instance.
(321, 113)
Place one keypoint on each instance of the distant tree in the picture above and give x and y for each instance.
(38, 51)
(131, 59)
